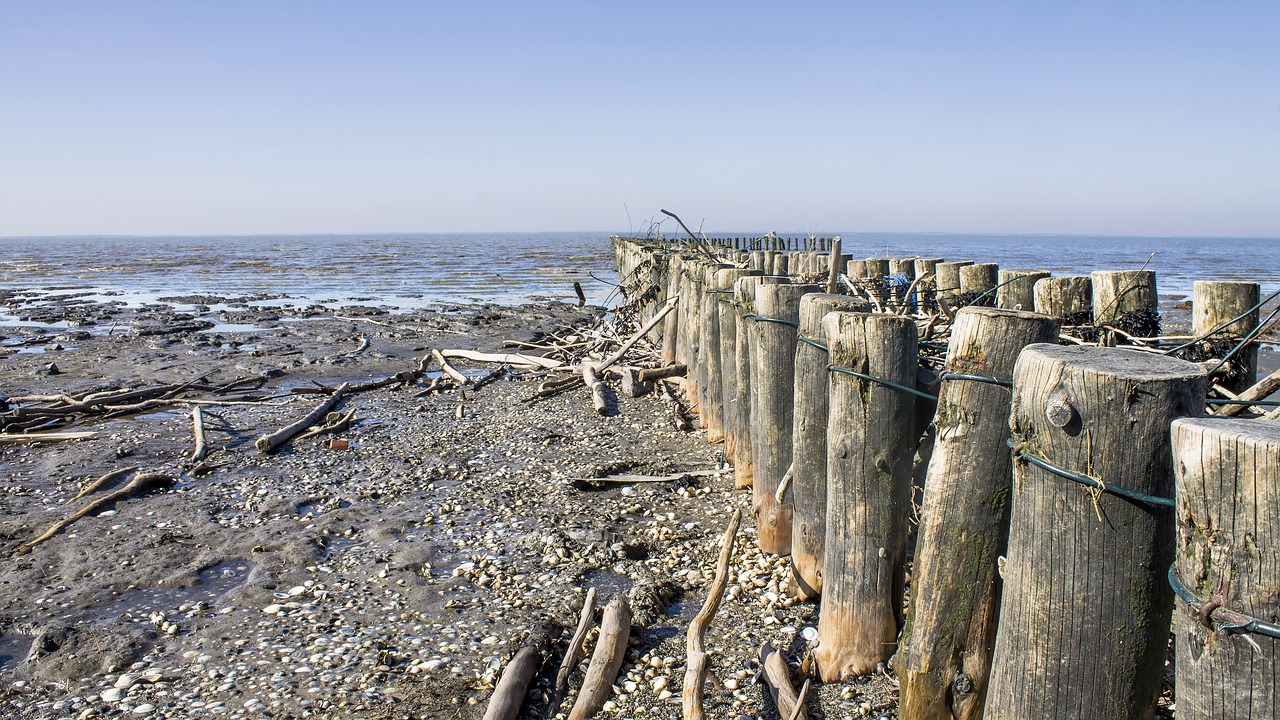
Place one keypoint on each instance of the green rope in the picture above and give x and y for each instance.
(814, 343)
(882, 381)
(1228, 620)
(1020, 453)
(780, 321)
(978, 378)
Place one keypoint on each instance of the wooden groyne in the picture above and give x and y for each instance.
(1077, 477)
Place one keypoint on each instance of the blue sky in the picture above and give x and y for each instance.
(1146, 118)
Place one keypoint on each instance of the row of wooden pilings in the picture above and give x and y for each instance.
(1059, 482)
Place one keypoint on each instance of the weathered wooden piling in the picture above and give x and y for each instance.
(1066, 298)
(856, 269)
(1085, 612)
(809, 441)
(781, 264)
(979, 279)
(877, 267)
(727, 320)
(671, 323)
(1118, 292)
(869, 451)
(949, 276)
(709, 369)
(744, 399)
(1017, 289)
(1228, 565)
(777, 319)
(1217, 303)
(950, 631)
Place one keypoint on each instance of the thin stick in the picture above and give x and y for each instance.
(653, 322)
(596, 387)
(696, 665)
(46, 437)
(799, 708)
(573, 655)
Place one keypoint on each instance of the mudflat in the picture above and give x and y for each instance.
(393, 578)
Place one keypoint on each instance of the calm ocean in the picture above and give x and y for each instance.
(414, 270)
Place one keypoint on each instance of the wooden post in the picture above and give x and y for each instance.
(689, 349)
(781, 263)
(727, 319)
(1116, 292)
(835, 265)
(809, 442)
(1215, 302)
(903, 266)
(978, 279)
(1085, 612)
(949, 276)
(1017, 289)
(945, 661)
(745, 350)
(758, 260)
(856, 270)
(778, 315)
(709, 370)
(869, 451)
(1069, 299)
(877, 267)
(671, 323)
(1228, 555)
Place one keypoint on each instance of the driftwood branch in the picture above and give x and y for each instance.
(696, 666)
(611, 649)
(509, 694)
(197, 431)
(518, 359)
(102, 482)
(448, 369)
(268, 443)
(573, 654)
(778, 677)
(653, 322)
(141, 484)
(29, 438)
(593, 383)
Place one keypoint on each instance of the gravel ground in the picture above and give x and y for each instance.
(389, 580)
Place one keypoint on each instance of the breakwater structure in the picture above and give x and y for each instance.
(1006, 485)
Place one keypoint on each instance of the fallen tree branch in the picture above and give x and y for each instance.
(268, 443)
(141, 484)
(573, 654)
(611, 649)
(697, 663)
(333, 422)
(653, 322)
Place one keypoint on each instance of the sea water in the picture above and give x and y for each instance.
(418, 270)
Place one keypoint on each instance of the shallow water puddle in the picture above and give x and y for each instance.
(607, 583)
(13, 650)
(215, 582)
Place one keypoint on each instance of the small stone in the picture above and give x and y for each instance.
(143, 709)
(112, 694)
(273, 608)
